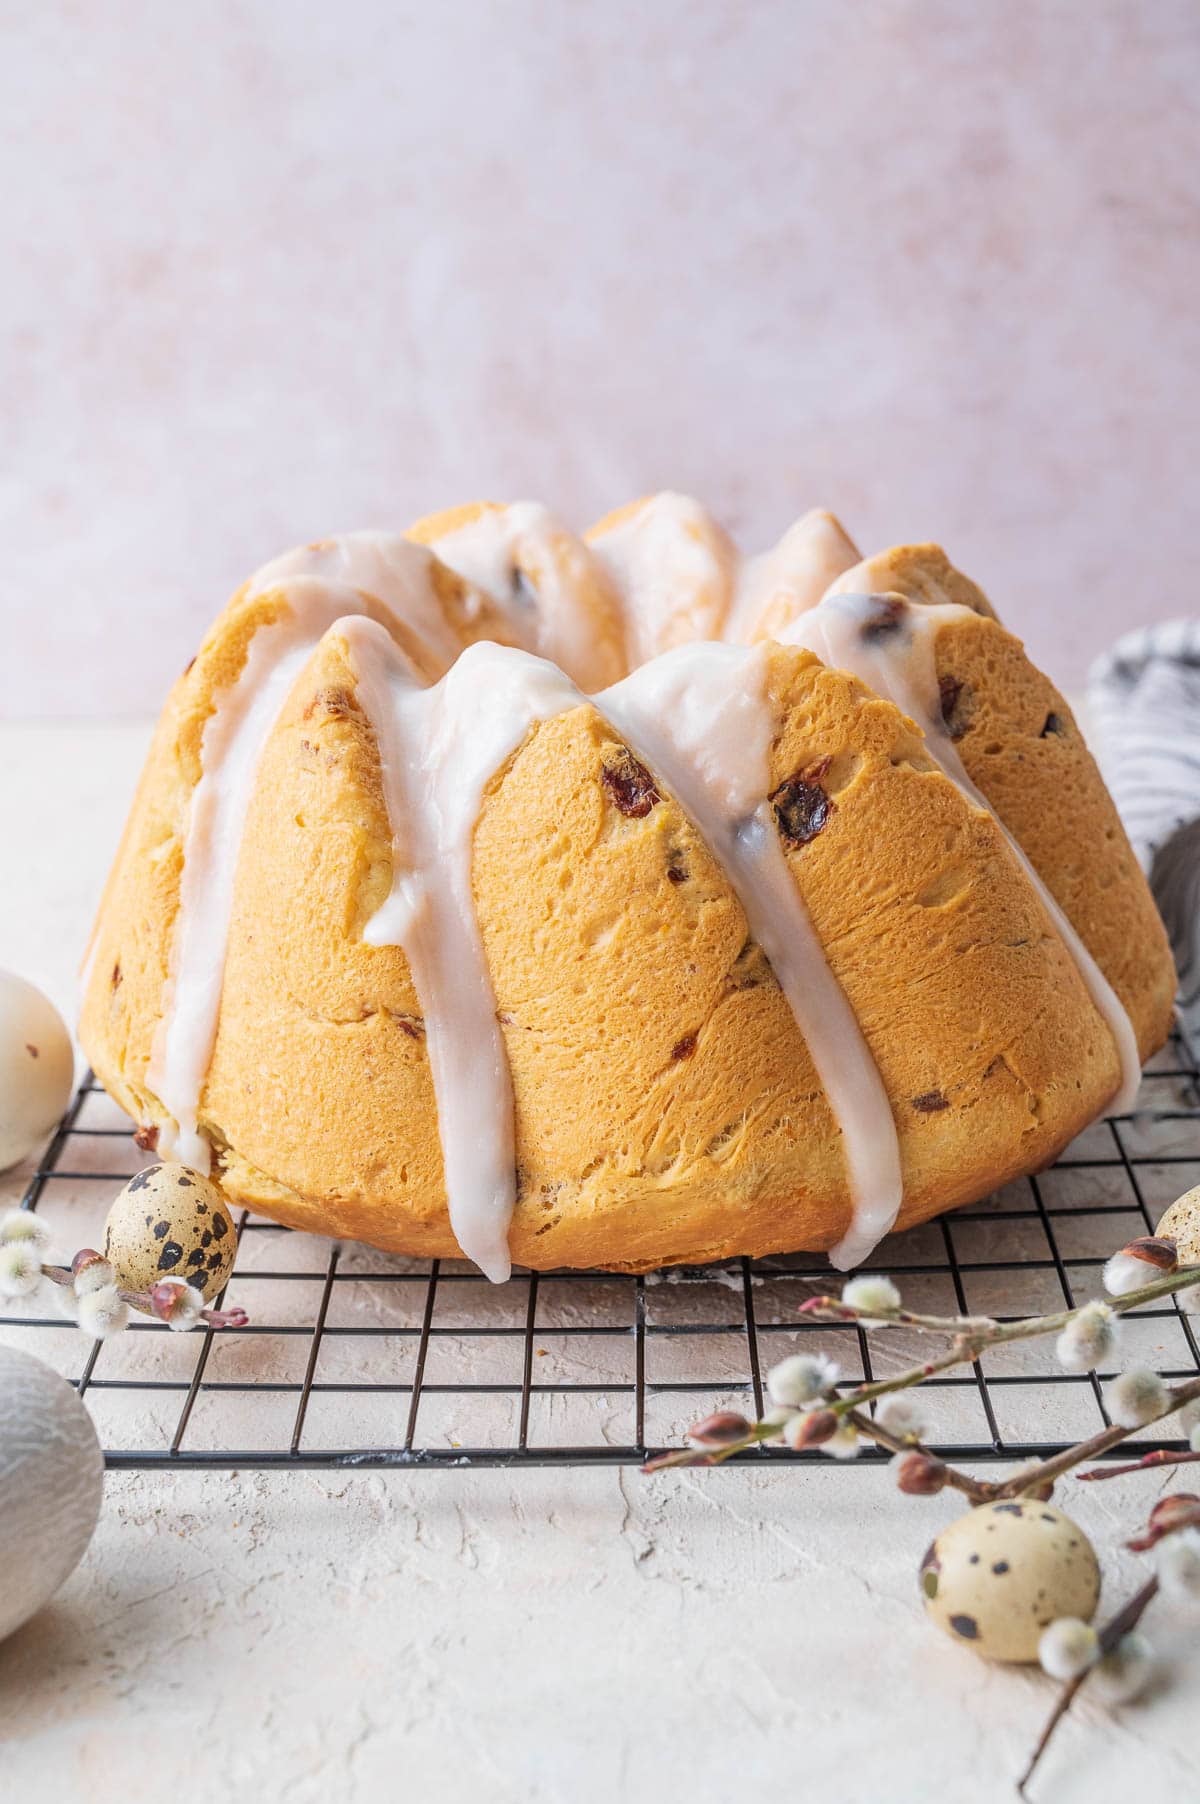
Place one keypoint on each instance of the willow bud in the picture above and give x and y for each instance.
(811, 1430)
(919, 1474)
(724, 1429)
(1148, 1257)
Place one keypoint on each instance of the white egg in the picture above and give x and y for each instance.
(37, 1068)
(51, 1480)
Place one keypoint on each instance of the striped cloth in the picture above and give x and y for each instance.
(1144, 712)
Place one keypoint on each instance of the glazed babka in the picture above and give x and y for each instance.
(611, 902)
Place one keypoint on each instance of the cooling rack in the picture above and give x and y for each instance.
(353, 1359)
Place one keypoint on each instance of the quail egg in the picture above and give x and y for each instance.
(1181, 1223)
(37, 1068)
(998, 1575)
(169, 1222)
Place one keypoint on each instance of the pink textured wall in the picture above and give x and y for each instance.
(274, 269)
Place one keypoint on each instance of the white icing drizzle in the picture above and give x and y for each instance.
(674, 570)
(899, 664)
(786, 581)
(394, 569)
(234, 736)
(700, 718)
(438, 749)
(557, 614)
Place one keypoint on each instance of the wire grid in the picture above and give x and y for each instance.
(353, 1359)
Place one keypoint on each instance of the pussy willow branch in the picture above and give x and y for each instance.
(1169, 1516)
(770, 1431)
(978, 1490)
(1177, 1511)
(1162, 1456)
(1110, 1635)
(970, 1487)
(1097, 1444)
(989, 1332)
(973, 1488)
(713, 1456)
(973, 1335)
(142, 1301)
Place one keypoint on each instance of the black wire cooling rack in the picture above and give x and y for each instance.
(353, 1359)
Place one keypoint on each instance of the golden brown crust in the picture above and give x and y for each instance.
(131, 940)
(1023, 750)
(919, 573)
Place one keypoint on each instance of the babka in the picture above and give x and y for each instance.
(610, 902)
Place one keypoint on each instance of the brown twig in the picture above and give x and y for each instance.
(1110, 1635)
(1170, 1514)
(986, 1331)
(832, 1309)
(1168, 1517)
(1095, 1445)
(973, 1488)
(1163, 1456)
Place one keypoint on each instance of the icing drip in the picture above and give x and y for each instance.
(552, 588)
(438, 749)
(778, 585)
(897, 660)
(699, 717)
(234, 736)
(674, 569)
(383, 564)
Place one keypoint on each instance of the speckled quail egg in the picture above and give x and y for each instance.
(37, 1068)
(1181, 1223)
(169, 1222)
(995, 1577)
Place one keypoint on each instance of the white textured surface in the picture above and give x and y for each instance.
(533, 1638)
(277, 270)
